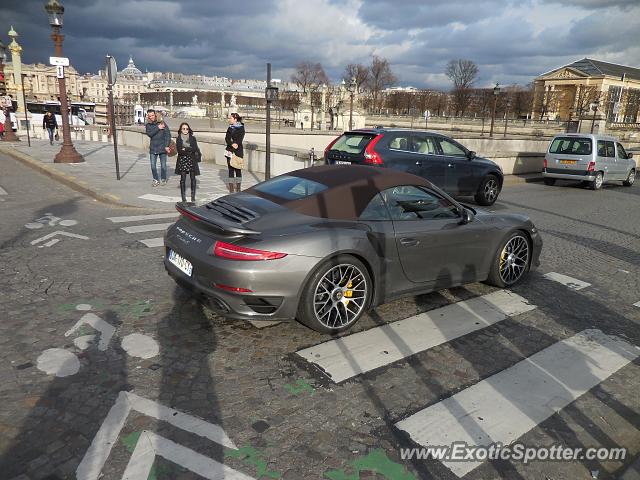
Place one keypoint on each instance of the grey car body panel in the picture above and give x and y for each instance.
(309, 241)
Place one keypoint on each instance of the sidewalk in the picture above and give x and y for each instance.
(96, 177)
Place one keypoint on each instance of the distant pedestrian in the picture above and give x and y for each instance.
(50, 124)
(233, 139)
(160, 138)
(188, 157)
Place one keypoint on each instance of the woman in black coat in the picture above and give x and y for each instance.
(233, 139)
(188, 157)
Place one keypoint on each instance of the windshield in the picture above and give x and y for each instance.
(354, 143)
(571, 146)
(286, 187)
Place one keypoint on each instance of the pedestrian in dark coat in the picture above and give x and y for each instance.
(50, 124)
(233, 139)
(188, 157)
(160, 138)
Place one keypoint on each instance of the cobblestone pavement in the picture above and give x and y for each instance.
(108, 370)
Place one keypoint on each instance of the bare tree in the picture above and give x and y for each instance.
(289, 101)
(585, 96)
(380, 77)
(359, 72)
(463, 74)
(309, 76)
(631, 102)
(548, 102)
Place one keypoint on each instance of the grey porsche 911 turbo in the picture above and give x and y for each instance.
(325, 244)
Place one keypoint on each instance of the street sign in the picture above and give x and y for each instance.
(59, 61)
(112, 70)
(59, 71)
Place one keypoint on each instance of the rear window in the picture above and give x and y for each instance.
(287, 187)
(354, 143)
(571, 146)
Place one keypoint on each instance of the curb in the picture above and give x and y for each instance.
(72, 183)
(517, 179)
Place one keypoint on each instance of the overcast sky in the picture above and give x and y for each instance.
(510, 41)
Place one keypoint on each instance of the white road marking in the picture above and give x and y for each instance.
(572, 283)
(3, 191)
(58, 232)
(141, 218)
(160, 198)
(50, 243)
(153, 242)
(637, 304)
(352, 355)
(150, 445)
(152, 227)
(106, 329)
(90, 467)
(84, 341)
(507, 405)
(83, 307)
(58, 362)
(141, 346)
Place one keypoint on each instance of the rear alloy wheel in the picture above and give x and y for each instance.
(336, 295)
(630, 179)
(550, 181)
(488, 191)
(597, 182)
(512, 261)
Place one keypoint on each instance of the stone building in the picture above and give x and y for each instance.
(41, 83)
(130, 82)
(588, 88)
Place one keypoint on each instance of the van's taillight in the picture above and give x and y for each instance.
(591, 167)
(184, 213)
(326, 150)
(235, 252)
(371, 157)
(545, 163)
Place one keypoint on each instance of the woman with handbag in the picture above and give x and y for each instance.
(188, 157)
(234, 151)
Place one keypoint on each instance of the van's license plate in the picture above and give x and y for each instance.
(342, 162)
(183, 264)
(568, 162)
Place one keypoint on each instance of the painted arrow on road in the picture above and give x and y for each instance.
(56, 240)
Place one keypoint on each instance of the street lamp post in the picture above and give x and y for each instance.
(496, 92)
(270, 95)
(352, 89)
(9, 136)
(67, 153)
(594, 107)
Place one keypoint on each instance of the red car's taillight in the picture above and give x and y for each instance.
(232, 289)
(371, 157)
(235, 252)
(326, 150)
(591, 167)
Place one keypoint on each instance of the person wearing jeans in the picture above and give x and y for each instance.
(160, 138)
(50, 124)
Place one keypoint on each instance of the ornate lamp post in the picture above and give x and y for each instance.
(496, 92)
(68, 153)
(352, 90)
(9, 136)
(594, 107)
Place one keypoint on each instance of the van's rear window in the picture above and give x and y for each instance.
(571, 146)
(354, 143)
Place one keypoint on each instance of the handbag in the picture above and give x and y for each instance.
(236, 162)
(198, 155)
(172, 149)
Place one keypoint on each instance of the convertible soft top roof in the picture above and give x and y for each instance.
(350, 189)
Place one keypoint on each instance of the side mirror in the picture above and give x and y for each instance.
(471, 154)
(629, 155)
(466, 216)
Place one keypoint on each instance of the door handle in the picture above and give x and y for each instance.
(451, 165)
(419, 162)
(409, 242)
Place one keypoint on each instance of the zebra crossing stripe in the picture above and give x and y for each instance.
(153, 242)
(362, 352)
(572, 283)
(502, 408)
(141, 218)
(3, 191)
(152, 227)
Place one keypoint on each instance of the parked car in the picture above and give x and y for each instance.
(439, 159)
(324, 244)
(591, 159)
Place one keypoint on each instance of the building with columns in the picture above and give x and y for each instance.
(586, 88)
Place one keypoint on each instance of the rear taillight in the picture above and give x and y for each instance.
(232, 289)
(235, 252)
(591, 167)
(326, 150)
(545, 163)
(371, 157)
(184, 213)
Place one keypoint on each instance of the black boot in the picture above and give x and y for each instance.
(193, 188)
(183, 189)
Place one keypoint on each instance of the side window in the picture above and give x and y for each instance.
(415, 203)
(611, 150)
(424, 144)
(401, 142)
(602, 148)
(376, 210)
(451, 148)
(621, 152)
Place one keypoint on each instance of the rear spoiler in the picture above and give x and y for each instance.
(218, 223)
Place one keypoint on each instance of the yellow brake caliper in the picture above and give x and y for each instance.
(503, 256)
(348, 294)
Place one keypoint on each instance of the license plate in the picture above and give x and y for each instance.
(342, 162)
(181, 263)
(568, 162)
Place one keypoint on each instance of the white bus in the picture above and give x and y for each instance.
(82, 113)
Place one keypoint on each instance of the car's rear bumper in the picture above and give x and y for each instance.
(569, 176)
